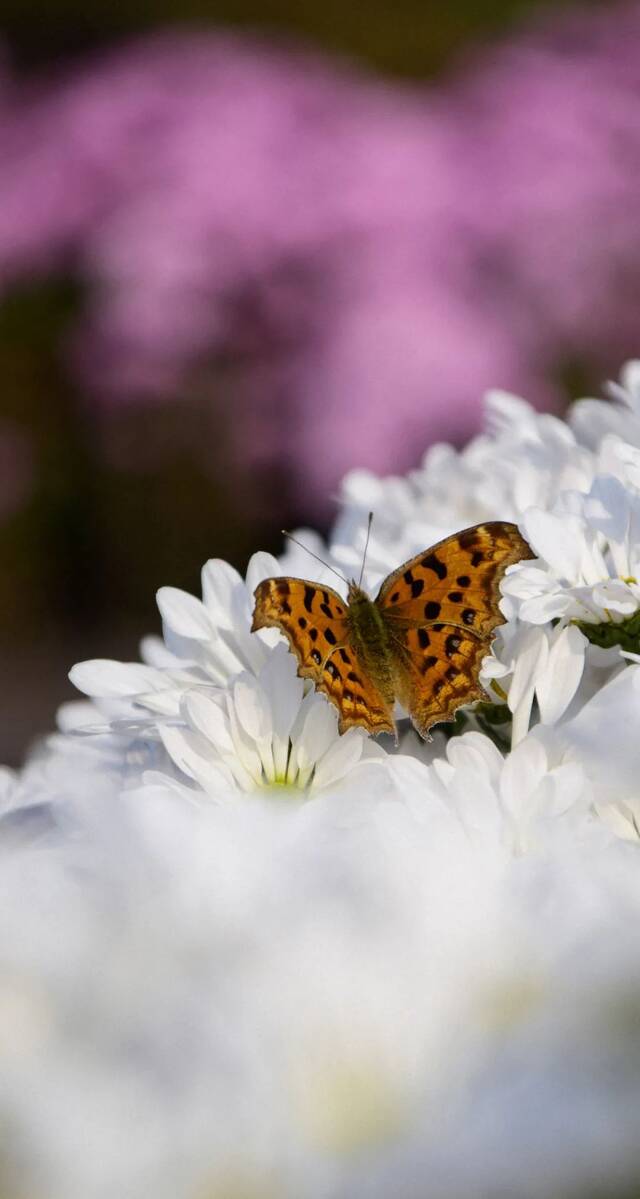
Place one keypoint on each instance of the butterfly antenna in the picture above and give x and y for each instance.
(318, 559)
(366, 547)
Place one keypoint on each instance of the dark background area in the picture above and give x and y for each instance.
(410, 38)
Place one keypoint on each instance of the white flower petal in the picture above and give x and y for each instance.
(531, 660)
(613, 595)
(184, 614)
(556, 539)
(558, 681)
(261, 566)
(209, 718)
(475, 752)
(544, 608)
(220, 581)
(103, 677)
(604, 737)
(284, 689)
(315, 730)
(189, 751)
(606, 508)
(523, 770)
(252, 707)
(339, 759)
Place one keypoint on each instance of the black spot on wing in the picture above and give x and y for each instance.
(417, 587)
(451, 673)
(345, 657)
(431, 610)
(468, 539)
(468, 615)
(432, 562)
(428, 662)
(313, 633)
(330, 636)
(455, 597)
(463, 580)
(309, 593)
(324, 607)
(451, 645)
(476, 558)
(423, 639)
(302, 621)
(316, 656)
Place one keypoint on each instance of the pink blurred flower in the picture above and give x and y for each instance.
(369, 256)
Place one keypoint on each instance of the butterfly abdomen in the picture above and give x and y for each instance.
(370, 640)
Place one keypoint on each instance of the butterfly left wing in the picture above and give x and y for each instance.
(314, 620)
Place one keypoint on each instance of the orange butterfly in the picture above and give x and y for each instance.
(421, 641)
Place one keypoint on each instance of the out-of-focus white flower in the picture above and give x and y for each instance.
(523, 459)
(520, 801)
(298, 993)
(8, 787)
(592, 420)
(603, 738)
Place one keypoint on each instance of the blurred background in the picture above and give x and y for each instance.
(246, 245)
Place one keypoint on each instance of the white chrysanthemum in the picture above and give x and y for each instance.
(523, 459)
(592, 420)
(203, 999)
(206, 642)
(536, 795)
(534, 663)
(264, 731)
(603, 738)
(588, 558)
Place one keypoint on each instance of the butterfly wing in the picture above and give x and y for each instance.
(436, 671)
(314, 618)
(457, 581)
(441, 609)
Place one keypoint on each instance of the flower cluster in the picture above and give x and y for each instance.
(342, 245)
(242, 955)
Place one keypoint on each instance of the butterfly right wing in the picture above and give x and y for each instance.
(457, 581)
(314, 619)
(441, 609)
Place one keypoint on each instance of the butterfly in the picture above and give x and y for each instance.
(420, 641)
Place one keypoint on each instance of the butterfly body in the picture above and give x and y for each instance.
(370, 637)
(421, 641)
